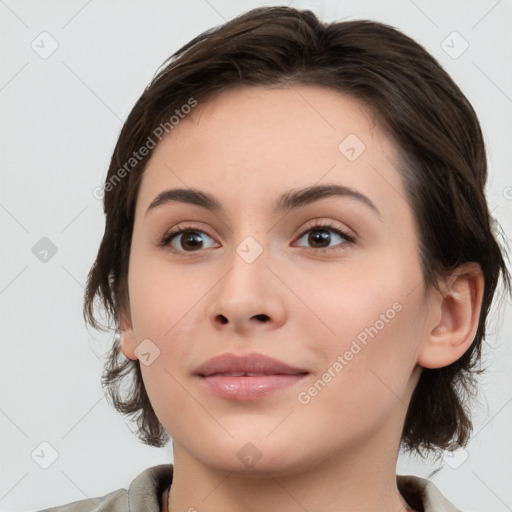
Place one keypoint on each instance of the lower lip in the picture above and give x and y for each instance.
(248, 388)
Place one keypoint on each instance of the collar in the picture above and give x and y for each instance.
(149, 488)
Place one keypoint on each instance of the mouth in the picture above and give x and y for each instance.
(247, 377)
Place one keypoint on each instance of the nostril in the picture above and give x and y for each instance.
(262, 317)
(223, 319)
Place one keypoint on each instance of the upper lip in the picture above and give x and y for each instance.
(249, 363)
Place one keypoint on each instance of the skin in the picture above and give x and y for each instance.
(338, 452)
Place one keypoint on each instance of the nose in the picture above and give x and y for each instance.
(248, 299)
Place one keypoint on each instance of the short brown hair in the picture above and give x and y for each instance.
(443, 165)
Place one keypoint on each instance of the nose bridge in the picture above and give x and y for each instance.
(247, 274)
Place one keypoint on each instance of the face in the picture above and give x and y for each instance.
(330, 285)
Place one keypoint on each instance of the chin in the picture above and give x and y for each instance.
(258, 456)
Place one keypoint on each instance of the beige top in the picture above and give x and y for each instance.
(148, 492)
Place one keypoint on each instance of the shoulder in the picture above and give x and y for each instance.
(143, 494)
(423, 495)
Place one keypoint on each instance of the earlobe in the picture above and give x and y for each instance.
(455, 318)
(128, 339)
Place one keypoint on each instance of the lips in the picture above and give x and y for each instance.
(250, 365)
(247, 377)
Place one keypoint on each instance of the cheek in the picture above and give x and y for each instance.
(353, 304)
(162, 295)
(371, 334)
(366, 376)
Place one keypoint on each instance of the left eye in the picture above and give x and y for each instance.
(186, 240)
(321, 236)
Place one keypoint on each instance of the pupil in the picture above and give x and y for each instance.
(194, 237)
(319, 236)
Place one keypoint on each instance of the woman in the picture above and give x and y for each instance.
(299, 260)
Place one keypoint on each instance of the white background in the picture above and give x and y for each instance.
(60, 118)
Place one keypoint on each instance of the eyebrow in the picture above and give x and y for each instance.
(290, 200)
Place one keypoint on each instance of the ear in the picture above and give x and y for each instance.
(128, 339)
(455, 314)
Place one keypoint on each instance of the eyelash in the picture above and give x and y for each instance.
(321, 226)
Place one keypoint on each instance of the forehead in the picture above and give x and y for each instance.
(296, 114)
(253, 143)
